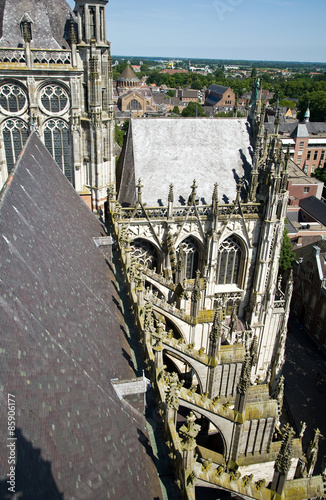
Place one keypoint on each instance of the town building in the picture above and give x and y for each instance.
(306, 140)
(128, 79)
(309, 292)
(220, 98)
(56, 78)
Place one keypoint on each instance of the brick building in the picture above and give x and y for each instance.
(307, 141)
(220, 98)
(309, 292)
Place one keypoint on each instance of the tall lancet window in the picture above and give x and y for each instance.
(228, 265)
(102, 25)
(92, 22)
(83, 23)
(15, 133)
(58, 143)
(191, 255)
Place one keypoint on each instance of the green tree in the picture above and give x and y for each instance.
(219, 74)
(171, 93)
(193, 109)
(317, 105)
(176, 110)
(118, 135)
(253, 72)
(320, 174)
(287, 255)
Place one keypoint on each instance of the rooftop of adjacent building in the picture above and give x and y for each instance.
(297, 176)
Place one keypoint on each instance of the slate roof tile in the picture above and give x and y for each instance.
(61, 344)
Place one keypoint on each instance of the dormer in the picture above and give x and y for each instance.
(26, 27)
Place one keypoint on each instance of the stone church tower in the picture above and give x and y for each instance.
(56, 77)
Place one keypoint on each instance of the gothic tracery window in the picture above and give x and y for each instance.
(228, 265)
(57, 142)
(134, 105)
(145, 253)
(54, 98)
(12, 98)
(191, 253)
(15, 133)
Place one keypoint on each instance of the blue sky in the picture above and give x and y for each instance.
(281, 30)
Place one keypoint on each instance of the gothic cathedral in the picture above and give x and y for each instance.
(56, 78)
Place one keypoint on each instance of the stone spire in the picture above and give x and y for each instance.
(171, 196)
(312, 452)
(139, 191)
(306, 118)
(196, 295)
(215, 334)
(283, 460)
(215, 199)
(192, 197)
(180, 266)
(73, 36)
(189, 432)
(245, 377)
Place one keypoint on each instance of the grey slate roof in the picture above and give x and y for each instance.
(217, 89)
(128, 75)
(49, 23)
(314, 207)
(308, 250)
(62, 341)
(172, 150)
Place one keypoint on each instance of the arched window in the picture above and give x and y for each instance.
(145, 253)
(54, 98)
(92, 22)
(228, 265)
(15, 133)
(57, 142)
(13, 99)
(191, 253)
(134, 105)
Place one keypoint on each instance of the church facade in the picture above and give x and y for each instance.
(198, 215)
(56, 78)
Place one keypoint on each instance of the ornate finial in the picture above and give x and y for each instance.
(215, 200)
(148, 319)
(254, 351)
(195, 296)
(173, 391)
(171, 197)
(181, 260)
(73, 37)
(215, 194)
(139, 190)
(283, 461)
(287, 156)
(239, 186)
(234, 318)
(279, 394)
(303, 427)
(245, 377)
(189, 432)
(193, 192)
(216, 330)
